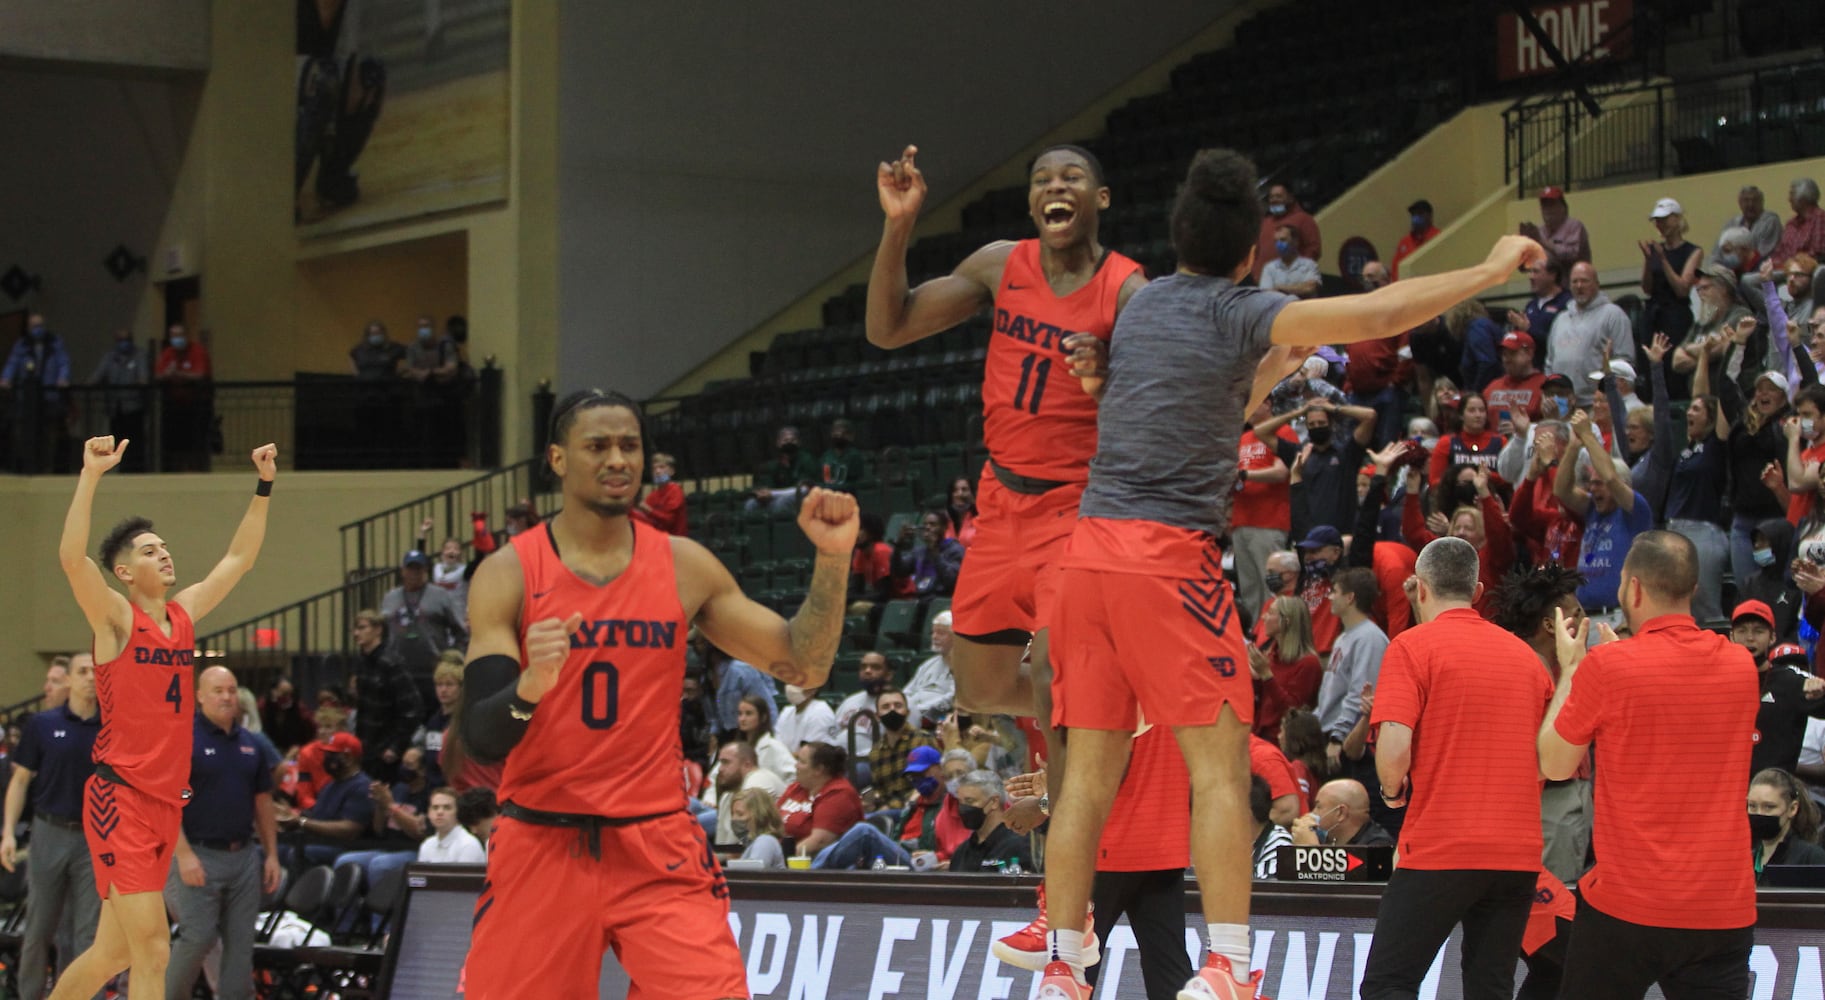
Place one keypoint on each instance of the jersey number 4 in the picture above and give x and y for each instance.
(1033, 371)
(175, 694)
(601, 695)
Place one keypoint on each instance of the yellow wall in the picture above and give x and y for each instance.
(197, 516)
(1455, 166)
(1617, 217)
(266, 294)
(807, 312)
(394, 283)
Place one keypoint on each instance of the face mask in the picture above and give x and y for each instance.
(1418, 221)
(424, 333)
(1318, 567)
(1273, 581)
(1764, 557)
(873, 687)
(1276, 209)
(839, 441)
(1732, 261)
(972, 816)
(1764, 827)
(790, 447)
(377, 339)
(925, 786)
(37, 332)
(1320, 436)
(952, 785)
(1428, 443)
(124, 346)
(1466, 495)
(1563, 405)
(1324, 831)
(179, 343)
(1282, 246)
(795, 695)
(894, 721)
(740, 828)
(660, 478)
(408, 773)
(1806, 424)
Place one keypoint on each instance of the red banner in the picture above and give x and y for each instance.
(1581, 29)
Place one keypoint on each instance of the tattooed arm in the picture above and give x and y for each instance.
(799, 651)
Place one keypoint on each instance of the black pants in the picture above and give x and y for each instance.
(1155, 905)
(1612, 958)
(1418, 911)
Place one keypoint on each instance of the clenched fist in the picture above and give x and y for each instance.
(547, 646)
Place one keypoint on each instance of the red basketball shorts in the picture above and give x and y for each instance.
(548, 910)
(131, 836)
(1170, 645)
(1010, 573)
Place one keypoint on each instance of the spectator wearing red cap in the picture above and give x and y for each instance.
(1674, 711)
(1789, 695)
(1517, 389)
(1562, 236)
(343, 810)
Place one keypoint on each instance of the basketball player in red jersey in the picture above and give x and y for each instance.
(145, 684)
(575, 676)
(1039, 419)
(1055, 299)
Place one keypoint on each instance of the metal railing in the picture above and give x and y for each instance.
(318, 422)
(1667, 128)
(377, 542)
(310, 641)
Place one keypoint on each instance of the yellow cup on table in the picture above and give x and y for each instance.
(799, 863)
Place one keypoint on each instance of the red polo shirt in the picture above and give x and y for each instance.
(1149, 826)
(1672, 713)
(1474, 696)
(1266, 760)
(1262, 505)
(836, 807)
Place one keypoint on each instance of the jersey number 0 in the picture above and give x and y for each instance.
(601, 695)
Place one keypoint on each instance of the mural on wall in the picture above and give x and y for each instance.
(402, 109)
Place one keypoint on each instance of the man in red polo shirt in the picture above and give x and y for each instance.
(1672, 711)
(821, 805)
(1455, 733)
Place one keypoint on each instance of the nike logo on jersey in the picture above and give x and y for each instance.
(674, 866)
(541, 594)
(1016, 288)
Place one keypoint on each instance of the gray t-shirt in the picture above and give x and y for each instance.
(1181, 362)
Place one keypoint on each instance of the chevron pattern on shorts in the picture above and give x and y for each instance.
(1206, 597)
(104, 812)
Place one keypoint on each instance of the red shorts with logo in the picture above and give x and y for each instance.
(132, 836)
(1010, 573)
(549, 909)
(1160, 634)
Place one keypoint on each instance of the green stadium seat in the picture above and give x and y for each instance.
(900, 623)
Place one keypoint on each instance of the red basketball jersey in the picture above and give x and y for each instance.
(147, 696)
(1037, 419)
(604, 741)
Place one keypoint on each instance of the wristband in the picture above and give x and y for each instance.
(264, 489)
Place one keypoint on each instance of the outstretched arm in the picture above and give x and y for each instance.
(896, 316)
(202, 597)
(1386, 312)
(104, 608)
(799, 651)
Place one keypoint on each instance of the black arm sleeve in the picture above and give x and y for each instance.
(490, 691)
(1368, 524)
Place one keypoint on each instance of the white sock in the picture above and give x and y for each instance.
(1231, 941)
(1068, 947)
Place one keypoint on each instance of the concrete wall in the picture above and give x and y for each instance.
(197, 516)
(92, 163)
(137, 34)
(717, 160)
